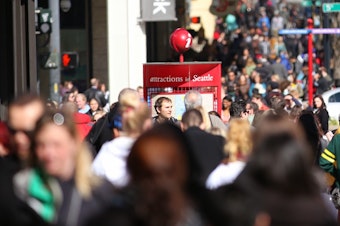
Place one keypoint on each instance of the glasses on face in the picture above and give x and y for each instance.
(13, 131)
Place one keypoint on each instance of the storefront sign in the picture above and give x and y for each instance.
(158, 10)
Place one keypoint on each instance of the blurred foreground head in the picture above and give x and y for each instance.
(23, 113)
(159, 167)
(159, 156)
(280, 176)
(60, 152)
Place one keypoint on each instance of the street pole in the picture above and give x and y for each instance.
(326, 43)
(55, 49)
(310, 63)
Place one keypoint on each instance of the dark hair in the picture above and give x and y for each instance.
(192, 117)
(312, 132)
(228, 98)
(257, 96)
(254, 106)
(66, 96)
(237, 108)
(280, 180)
(282, 163)
(295, 112)
(26, 99)
(158, 185)
(257, 118)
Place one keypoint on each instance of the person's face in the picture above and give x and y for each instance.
(80, 102)
(71, 97)
(317, 102)
(249, 109)
(165, 110)
(231, 76)
(69, 85)
(255, 100)
(94, 105)
(226, 103)
(288, 102)
(22, 120)
(245, 114)
(56, 150)
(257, 78)
(243, 79)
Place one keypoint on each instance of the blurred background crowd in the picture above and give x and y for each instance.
(272, 166)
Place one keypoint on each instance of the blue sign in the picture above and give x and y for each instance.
(294, 32)
(326, 31)
(308, 31)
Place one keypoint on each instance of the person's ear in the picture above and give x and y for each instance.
(116, 132)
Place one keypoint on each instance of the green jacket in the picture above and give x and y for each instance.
(328, 159)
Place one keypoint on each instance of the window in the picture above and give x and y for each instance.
(334, 98)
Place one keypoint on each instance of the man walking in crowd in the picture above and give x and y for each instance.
(95, 92)
(207, 148)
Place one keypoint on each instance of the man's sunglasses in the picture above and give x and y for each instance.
(13, 131)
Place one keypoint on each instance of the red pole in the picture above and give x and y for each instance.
(310, 63)
(181, 58)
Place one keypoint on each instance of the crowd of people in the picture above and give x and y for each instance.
(261, 167)
(267, 159)
(256, 59)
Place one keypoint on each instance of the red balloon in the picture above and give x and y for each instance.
(180, 40)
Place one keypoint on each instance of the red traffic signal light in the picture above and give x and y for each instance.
(195, 20)
(69, 60)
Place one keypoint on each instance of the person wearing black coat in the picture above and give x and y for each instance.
(321, 112)
(207, 148)
(101, 131)
(94, 92)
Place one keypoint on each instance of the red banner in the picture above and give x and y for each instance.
(182, 74)
(180, 77)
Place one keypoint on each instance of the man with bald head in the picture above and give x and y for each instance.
(193, 100)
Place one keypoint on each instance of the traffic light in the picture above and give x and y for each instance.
(43, 21)
(195, 20)
(69, 60)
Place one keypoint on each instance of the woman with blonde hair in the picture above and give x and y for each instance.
(59, 185)
(237, 150)
(135, 118)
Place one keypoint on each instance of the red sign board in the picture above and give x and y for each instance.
(182, 74)
(204, 76)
